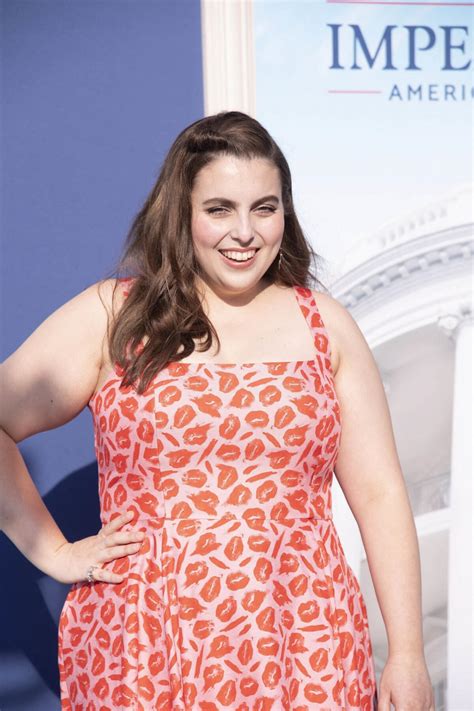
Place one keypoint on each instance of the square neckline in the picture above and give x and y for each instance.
(312, 362)
(174, 363)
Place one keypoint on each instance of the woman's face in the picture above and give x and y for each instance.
(237, 208)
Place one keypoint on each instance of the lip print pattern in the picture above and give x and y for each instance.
(240, 597)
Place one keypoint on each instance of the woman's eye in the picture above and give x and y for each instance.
(216, 210)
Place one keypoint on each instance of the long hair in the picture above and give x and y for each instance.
(163, 311)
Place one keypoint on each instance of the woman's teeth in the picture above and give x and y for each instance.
(239, 256)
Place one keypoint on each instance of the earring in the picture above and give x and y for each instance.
(279, 259)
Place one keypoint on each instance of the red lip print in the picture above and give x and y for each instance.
(298, 585)
(227, 693)
(156, 663)
(107, 611)
(123, 438)
(253, 600)
(294, 385)
(220, 646)
(146, 688)
(122, 695)
(145, 431)
(315, 693)
(239, 495)
(248, 686)
(258, 543)
(152, 599)
(268, 646)
(266, 620)
(101, 689)
(196, 382)
(254, 518)
(229, 427)
(76, 635)
(309, 611)
(208, 404)
(262, 570)
(147, 503)
(213, 674)
(325, 427)
(296, 643)
(88, 612)
(319, 660)
(226, 609)
(320, 556)
(254, 449)
(228, 451)
(128, 407)
(306, 405)
(195, 477)
(189, 608)
(195, 572)
(280, 594)
(257, 418)
(202, 629)
(227, 381)
(323, 588)
(237, 580)
(205, 501)
(183, 416)
(211, 590)
(196, 435)
(271, 675)
(179, 458)
(186, 528)
(151, 627)
(169, 395)
(279, 460)
(266, 492)
(270, 395)
(234, 548)
(242, 399)
(298, 500)
(227, 476)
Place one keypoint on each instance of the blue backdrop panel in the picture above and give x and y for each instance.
(94, 92)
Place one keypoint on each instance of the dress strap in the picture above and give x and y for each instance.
(309, 307)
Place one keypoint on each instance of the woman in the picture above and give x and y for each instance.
(225, 394)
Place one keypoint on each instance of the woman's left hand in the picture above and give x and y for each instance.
(405, 683)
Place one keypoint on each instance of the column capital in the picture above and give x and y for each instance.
(453, 320)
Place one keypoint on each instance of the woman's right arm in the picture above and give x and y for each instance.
(45, 383)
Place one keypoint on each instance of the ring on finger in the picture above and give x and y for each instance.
(90, 573)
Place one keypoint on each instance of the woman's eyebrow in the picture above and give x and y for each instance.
(231, 203)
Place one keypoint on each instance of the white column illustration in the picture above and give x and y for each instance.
(459, 327)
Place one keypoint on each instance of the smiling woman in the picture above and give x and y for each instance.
(237, 229)
(218, 579)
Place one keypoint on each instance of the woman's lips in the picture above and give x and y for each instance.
(239, 265)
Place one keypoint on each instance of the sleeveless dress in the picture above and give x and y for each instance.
(240, 596)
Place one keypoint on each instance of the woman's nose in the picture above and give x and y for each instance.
(243, 227)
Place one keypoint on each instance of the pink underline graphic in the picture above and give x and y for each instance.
(398, 2)
(354, 91)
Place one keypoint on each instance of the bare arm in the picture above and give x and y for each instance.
(369, 472)
(45, 383)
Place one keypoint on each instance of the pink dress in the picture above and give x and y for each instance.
(240, 597)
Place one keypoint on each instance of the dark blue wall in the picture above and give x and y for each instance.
(94, 92)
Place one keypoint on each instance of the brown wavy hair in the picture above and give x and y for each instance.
(163, 311)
